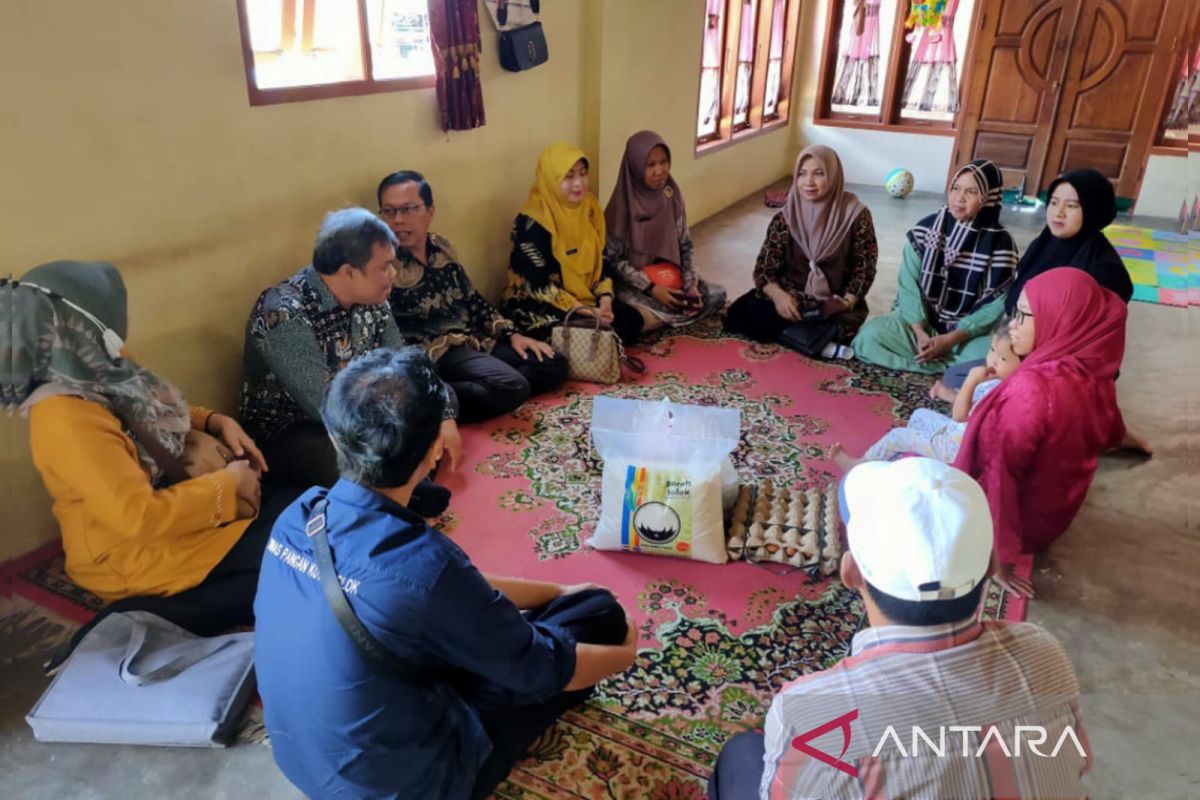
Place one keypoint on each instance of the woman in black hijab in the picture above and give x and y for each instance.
(1081, 205)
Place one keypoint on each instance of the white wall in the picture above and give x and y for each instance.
(1169, 182)
(868, 156)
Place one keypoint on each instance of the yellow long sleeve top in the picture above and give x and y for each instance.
(122, 536)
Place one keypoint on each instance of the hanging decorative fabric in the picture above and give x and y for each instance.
(454, 31)
(926, 15)
(934, 56)
(858, 83)
(1185, 107)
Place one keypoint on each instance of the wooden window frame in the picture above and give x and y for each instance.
(756, 123)
(888, 118)
(322, 91)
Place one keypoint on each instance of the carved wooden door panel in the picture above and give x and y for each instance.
(1020, 51)
(1115, 84)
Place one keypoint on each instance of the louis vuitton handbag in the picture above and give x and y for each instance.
(593, 350)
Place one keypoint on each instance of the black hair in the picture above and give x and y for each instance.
(406, 176)
(928, 612)
(348, 236)
(383, 412)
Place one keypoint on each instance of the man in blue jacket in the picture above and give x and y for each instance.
(501, 658)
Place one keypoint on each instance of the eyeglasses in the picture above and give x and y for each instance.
(1020, 315)
(403, 211)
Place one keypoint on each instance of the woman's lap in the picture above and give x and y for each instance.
(712, 301)
(888, 341)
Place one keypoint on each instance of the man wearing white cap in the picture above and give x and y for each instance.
(931, 702)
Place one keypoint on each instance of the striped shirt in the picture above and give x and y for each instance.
(967, 710)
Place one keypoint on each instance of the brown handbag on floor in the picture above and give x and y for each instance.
(592, 348)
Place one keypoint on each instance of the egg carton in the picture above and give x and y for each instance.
(797, 528)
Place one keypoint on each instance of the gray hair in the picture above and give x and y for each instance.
(383, 413)
(348, 236)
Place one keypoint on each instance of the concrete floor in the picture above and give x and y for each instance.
(1118, 589)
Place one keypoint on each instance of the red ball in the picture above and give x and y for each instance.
(665, 274)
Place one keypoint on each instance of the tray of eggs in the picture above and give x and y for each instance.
(793, 527)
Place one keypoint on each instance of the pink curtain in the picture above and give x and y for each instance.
(454, 31)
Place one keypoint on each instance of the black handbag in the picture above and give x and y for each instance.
(809, 338)
(524, 47)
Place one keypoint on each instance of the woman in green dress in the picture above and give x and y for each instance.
(957, 266)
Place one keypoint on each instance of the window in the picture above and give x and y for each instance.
(745, 67)
(890, 63)
(309, 49)
(775, 61)
(712, 58)
(746, 61)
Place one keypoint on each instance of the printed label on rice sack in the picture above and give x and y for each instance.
(657, 510)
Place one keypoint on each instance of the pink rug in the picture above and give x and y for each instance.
(716, 641)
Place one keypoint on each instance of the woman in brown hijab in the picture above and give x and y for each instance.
(817, 263)
(649, 247)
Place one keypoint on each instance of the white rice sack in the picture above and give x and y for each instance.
(663, 510)
(663, 481)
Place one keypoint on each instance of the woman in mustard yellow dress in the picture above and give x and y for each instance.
(115, 446)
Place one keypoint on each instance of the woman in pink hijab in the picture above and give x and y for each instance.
(815, 267)
(1033, 443)
(649, 247)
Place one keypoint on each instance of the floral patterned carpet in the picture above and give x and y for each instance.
(715, 642)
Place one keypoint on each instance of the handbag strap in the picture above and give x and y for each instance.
(633, 363)
(502, 10)
(363, 640)
(599, 326)
(202, 649)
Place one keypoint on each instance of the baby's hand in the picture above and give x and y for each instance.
(980, 374)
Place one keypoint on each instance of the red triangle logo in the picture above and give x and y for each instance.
(843, 722)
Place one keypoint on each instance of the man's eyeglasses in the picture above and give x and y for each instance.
(1020, 315)
(403, 211)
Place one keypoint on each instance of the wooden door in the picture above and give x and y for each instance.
(1020, 50)
(1114, 88)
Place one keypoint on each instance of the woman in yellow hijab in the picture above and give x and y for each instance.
(557, 261)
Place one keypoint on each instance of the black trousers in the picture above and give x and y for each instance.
(627, 322)
(491, 384)
(739, 768)
(225, 599)
(304, 456)
(592, 617)
(754, 316)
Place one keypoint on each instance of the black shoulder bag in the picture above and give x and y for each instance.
(524, 47)
(363, 640)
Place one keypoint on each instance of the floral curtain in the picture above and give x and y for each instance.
(454, 31)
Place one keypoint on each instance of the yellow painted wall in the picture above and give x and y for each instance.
(132, 141)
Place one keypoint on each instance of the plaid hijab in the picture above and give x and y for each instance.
(965, 265)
